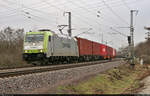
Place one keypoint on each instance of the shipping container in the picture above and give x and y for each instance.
(103, 50)
(108, 49)
(96, 48)
(85, 46)
(111, 52)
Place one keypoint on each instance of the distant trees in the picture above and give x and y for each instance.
(123, 51)
(9, 34)
(11, 47)
(142, 50)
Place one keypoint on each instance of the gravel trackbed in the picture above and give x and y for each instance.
(26, 83)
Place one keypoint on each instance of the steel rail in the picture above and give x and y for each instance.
(49, 68)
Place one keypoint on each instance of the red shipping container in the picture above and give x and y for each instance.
(85, 46)
(103, 50)
(111, 52)
(108, 51)
(96, 47)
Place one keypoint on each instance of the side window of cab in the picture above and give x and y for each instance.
(49, 38)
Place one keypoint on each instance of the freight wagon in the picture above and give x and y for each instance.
(103, 51)
(88, 50)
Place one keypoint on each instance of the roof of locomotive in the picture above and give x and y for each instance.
(42, 31)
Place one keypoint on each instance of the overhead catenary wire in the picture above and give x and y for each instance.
(101, 17)
(29, 8)
(75, 15)
(29, 14)
(115, 13)
(101, 5)
(86, 10)
(87, 21)
(117, 39)
(118, 32)
(127, 6)
(53, 5)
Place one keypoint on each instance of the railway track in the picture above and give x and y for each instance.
(25, 71)
(8, 68)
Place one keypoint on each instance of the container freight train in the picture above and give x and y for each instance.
(44, 47)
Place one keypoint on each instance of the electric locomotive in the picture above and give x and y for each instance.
(44, 46)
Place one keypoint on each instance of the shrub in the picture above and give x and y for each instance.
(11, 43)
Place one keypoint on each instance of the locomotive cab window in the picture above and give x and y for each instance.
(34, 38)
(49, 38)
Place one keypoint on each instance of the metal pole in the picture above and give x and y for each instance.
(132, 30)
(69, 24)
(132, 39)
(69, 31)
(131, 45)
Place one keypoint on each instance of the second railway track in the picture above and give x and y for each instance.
(26, 71)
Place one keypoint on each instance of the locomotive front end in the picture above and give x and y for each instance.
(35, 44)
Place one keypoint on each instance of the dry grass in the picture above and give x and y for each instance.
(11, 43)
(120, 80)
(11, 54)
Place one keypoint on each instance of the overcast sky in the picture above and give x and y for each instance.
(37, 14)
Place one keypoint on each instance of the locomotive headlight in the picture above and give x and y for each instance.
(41, 50)
(26, 51)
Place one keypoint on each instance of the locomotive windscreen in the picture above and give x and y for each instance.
(34, 37)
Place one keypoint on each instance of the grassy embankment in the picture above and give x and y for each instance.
(119, 80)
